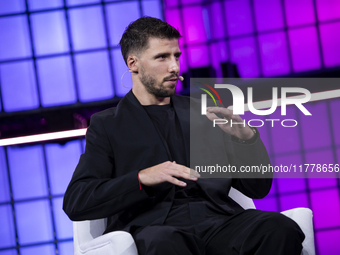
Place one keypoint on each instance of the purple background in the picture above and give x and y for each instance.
(265, 38)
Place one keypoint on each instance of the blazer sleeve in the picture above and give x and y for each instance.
(253, 185)
(93, 193)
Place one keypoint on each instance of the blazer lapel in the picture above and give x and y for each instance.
(139, 139)
(135, 130)
(182, 109)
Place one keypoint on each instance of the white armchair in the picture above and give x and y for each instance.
(88, 238)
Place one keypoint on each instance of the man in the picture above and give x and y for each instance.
(135, 169)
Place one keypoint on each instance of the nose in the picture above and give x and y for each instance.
(174, 66)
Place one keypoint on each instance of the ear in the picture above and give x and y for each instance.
(132, 63)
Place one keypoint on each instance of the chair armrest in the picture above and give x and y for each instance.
(241, 199)
(304, 218)
(114, 243)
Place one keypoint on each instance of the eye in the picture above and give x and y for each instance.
(161, 57)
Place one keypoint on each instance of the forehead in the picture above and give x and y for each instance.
(157, 45)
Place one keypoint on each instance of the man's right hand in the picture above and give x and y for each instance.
(167, 172)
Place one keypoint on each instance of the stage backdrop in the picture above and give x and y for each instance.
(61, 52)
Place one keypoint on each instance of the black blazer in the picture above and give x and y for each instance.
(123, 140)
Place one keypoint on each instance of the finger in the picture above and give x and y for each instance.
(222, 123)
(184, 172)
(218, 120)
(191, 173)
(212, 116)
(194, 173)
(221, 110)
(177, 182)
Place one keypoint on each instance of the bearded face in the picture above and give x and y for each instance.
(157, 88)
(158, 67)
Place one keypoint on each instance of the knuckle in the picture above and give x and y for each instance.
(167, 164)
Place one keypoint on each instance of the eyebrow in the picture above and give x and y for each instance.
(167, 54)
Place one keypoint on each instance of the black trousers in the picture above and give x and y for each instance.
(198, 228)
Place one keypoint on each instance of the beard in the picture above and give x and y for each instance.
(151, 87)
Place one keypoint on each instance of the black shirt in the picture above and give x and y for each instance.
(168, 128)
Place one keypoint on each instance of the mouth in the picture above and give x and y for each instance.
(172, 80)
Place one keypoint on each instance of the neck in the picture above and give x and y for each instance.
(145, 98)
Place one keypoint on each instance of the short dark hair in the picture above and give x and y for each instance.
(137, 34)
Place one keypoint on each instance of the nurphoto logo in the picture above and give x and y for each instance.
(239, 104)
